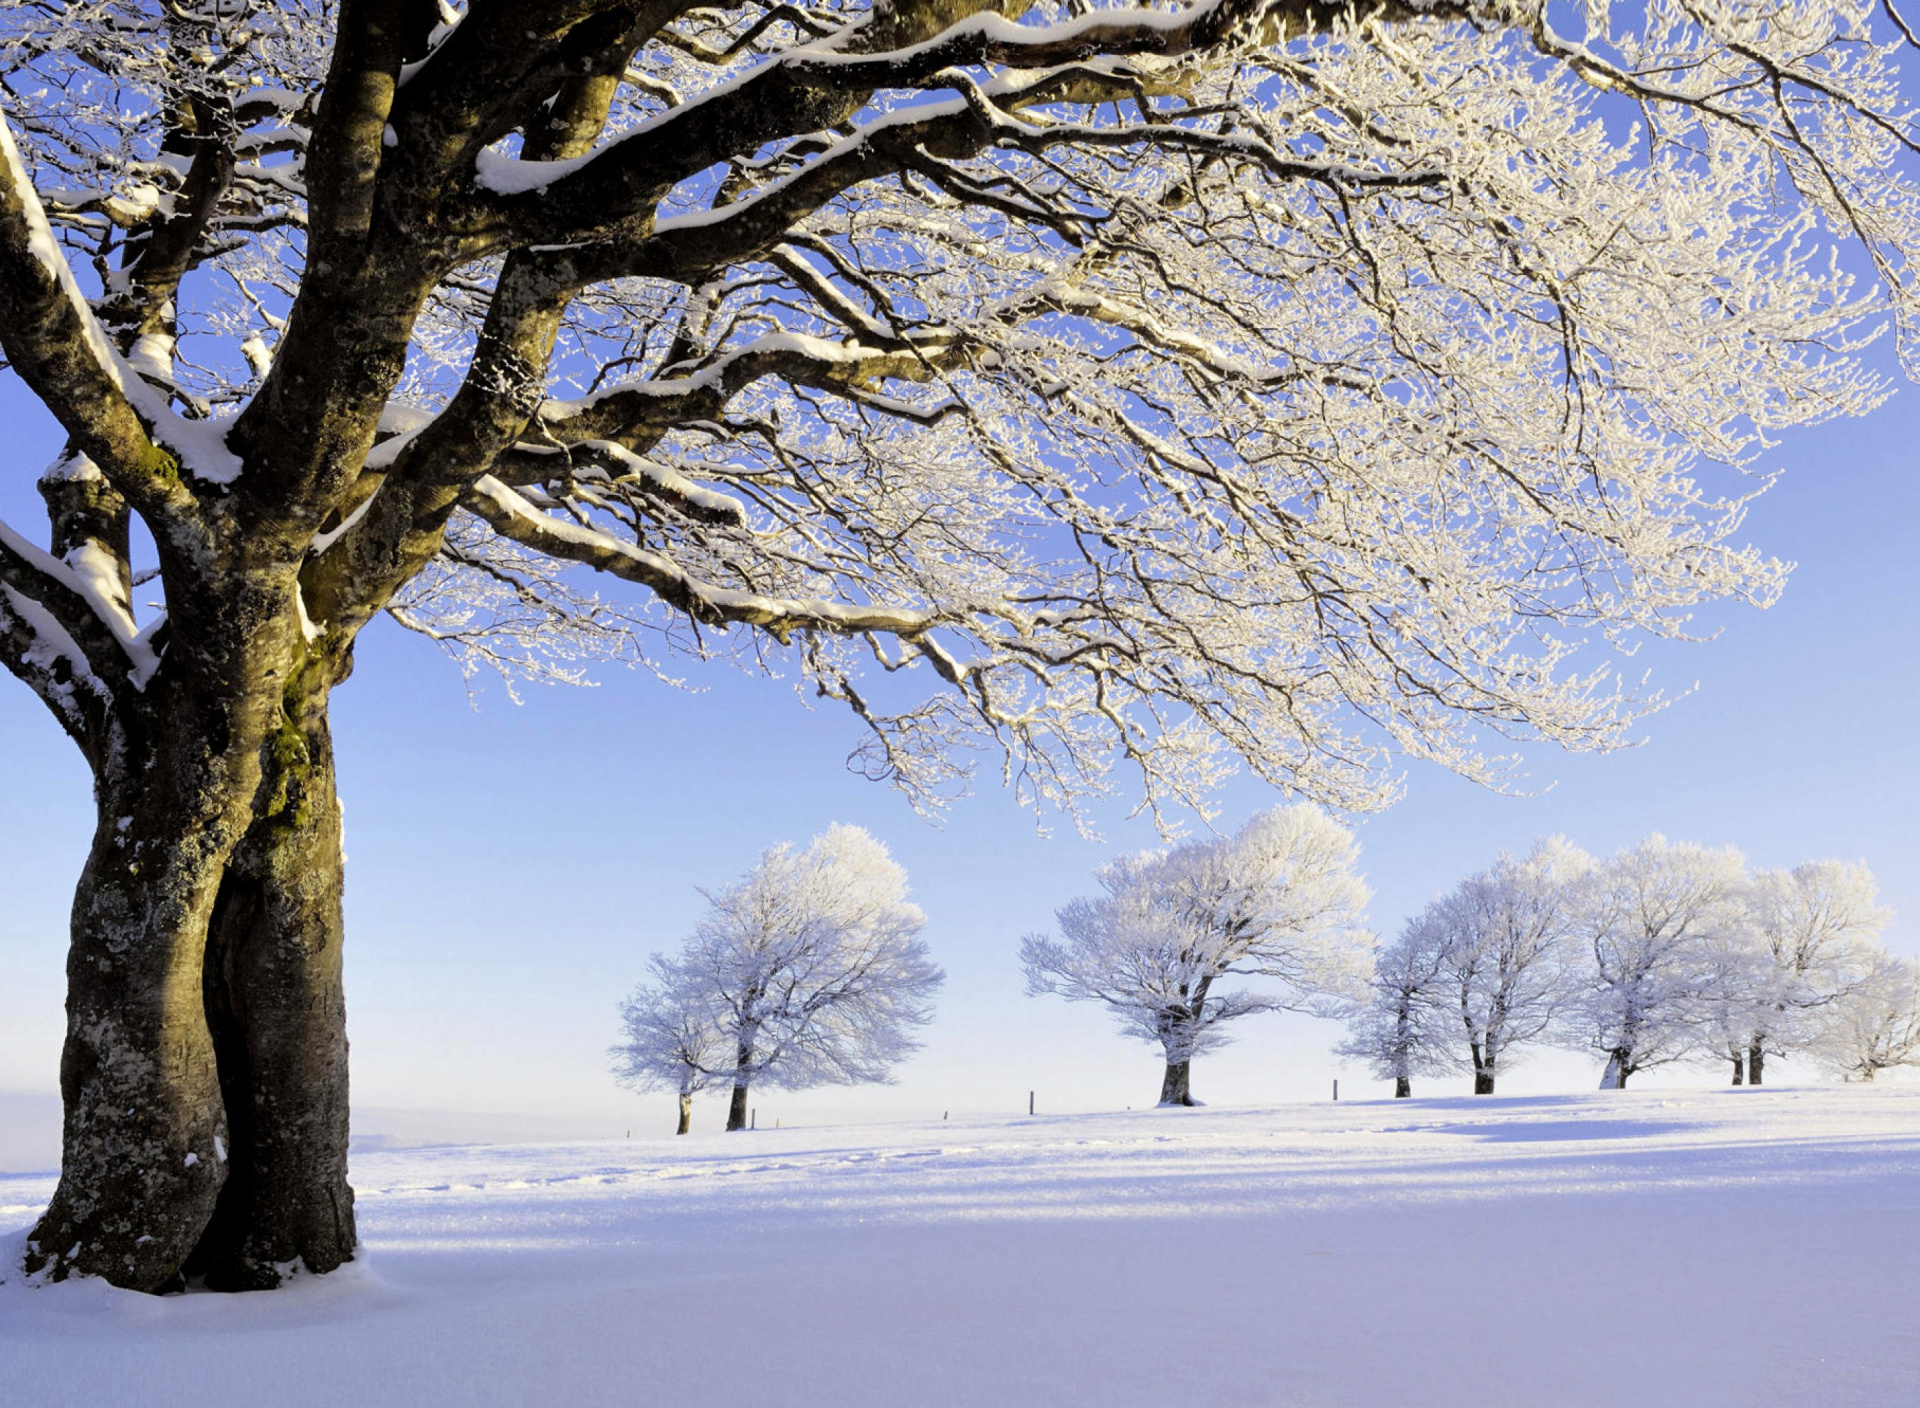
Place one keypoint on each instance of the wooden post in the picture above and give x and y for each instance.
(1029, 1103)
(751, 1116)
(1336, 1089)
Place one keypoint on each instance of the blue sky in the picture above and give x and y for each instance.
(510, 867)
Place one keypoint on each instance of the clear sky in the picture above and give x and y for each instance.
(510, 867)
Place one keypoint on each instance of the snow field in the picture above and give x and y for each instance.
(1644, 1248)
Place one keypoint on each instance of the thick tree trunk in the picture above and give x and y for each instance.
(277, 1011)
(686, 1113)
(197, 1080)
(1739, 1068)
(1174, 1087)
(737, 1108)
(1483, 1081)
(1615, 1076)
(1402, 1087)
(1756, 1062)
(145, 1141)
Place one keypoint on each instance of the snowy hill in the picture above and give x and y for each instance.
(1691, 1248)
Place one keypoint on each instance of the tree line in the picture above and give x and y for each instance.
(810, 970)
(1665, 951)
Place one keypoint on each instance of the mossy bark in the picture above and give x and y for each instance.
(204, 1072)
(276, 1007)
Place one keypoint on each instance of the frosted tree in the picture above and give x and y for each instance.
(1402, 1028)
(674, 1038)
(1116, 394)
(1655, 922)
(1875, 1025)
(1505, 954)
(814, 968)
(1278, 900)
(1816, 926)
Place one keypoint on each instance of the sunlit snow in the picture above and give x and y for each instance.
(1697, 1248)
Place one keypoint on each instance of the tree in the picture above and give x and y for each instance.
(1504, 956)
(1656, 920)
(1399, 1032)
(813, 967)
(1277, 900)
(1817, 923)
(1269, 380)
(1875, 1025)
(674, 1037)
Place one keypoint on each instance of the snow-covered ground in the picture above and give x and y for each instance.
(1692, 1248)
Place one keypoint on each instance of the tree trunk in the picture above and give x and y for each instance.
(1739, 1067)
(1174, 1087)
(1483, 1081)
(205, 1084)
(686, 1112)
(737, 1108)
(277, 1011)
(145, 1140)
(1756, 1062)
(1402, 1087)
(143, 1143)
(1615, 1077)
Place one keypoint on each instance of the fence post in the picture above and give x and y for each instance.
(1029, 1104)
(1336, 1090)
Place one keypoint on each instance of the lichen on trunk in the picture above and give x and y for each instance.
(276, 1007)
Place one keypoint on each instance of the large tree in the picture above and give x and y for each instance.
(1273, 380)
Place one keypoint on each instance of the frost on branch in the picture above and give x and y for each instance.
(1162, 948)
(1277, 386)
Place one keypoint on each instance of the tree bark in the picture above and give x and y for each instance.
(1739, 1068)
(1756, 1062)
(737, 1108)
(1402, 1087)
(686, 1113)
(1615, 1077)
(1174, 1087)
(145, 1139)
(1482, 1081)
(276, 1008)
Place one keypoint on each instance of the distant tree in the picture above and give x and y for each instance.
(673, 1037)
(1278, 900)
(1874, 1025)
(1400, 1030)
(1654, 920)
(1816, 927)
(1504, 953)
(814, 967)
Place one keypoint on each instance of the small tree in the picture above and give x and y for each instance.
(1816, 925)
(815, 967)
(1654, 919)
(1278, 900)
(1875, 1025)
(1503, 953)
(1398, 1031)
(674, 1038)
